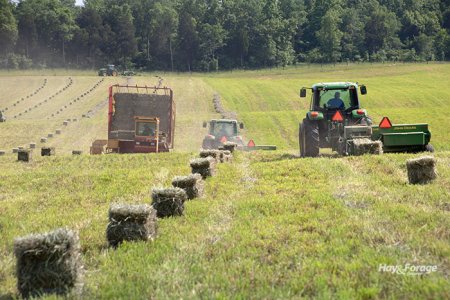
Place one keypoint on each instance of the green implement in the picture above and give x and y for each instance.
(336, 120)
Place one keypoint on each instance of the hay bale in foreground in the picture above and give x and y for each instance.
(226, 156)
(24, 155)
(48, 263)
(168, 202)
(204, 166)
(230, 146)
(131, 223)
(193, 185)
(367, 146)
(211, 152)
(48, 151)
(421, 170)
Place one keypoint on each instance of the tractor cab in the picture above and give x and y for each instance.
(111, 70)
(147, 137)
(222, 131)
(335, 101)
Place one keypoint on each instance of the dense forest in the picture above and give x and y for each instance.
(207, 35)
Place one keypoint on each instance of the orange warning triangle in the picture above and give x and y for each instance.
(385, 123)
(251, 143)
(337, 117)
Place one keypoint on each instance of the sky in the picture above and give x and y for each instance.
(79, 2)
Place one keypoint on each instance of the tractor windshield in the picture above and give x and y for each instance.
(224, 129)
(338, 98)
(145, 129)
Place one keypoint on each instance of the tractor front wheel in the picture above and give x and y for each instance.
(309, 138)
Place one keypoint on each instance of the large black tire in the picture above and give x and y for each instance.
(309, 139)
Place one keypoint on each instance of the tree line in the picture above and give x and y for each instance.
(207, 35)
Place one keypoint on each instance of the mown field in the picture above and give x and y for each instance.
(271, 225)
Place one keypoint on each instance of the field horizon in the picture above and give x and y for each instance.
(271, 225)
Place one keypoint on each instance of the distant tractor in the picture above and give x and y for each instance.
(110, 70)
(140, 120)
(222, 131)
(337, 121)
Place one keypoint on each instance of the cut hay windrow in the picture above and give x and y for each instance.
(168, 202)
(48, 263)
(421, 170)
(204, 166)
(367, 146)
(193, 185)
(131, 223)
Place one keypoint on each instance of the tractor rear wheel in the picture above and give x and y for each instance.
(309, 138)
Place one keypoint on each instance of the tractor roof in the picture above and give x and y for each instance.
(223, 121)
(334, 85)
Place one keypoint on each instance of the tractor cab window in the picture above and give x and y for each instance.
(145, 129)
(224, 129)
(337, 98)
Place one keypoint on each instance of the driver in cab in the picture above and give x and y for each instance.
(336, 102)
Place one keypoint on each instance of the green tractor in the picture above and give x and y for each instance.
(110, 70)
(337, 121)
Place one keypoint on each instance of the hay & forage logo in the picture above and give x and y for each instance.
(407, 269)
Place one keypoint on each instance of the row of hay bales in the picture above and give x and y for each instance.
(29, 95)
(218, 107)
(79, 98)
(70, 83)
(51, 263)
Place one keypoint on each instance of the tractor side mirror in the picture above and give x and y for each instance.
(363, 90)
(241, 125)
(205, 124)
(303, 93)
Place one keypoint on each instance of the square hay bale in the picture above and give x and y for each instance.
(204, 166)
(213, 153)
(225, 156)
(77, 152)
(65, 123)
(15, 150)
(421, 170)
(168, 202)
(58, 131)
(43, 140)
(25, 155)
(48, 263)
(47, 151)
(230, 146)
(131, 223)
(74, 120)
(367, 146)
(2, 152)
(50, 135)
(20, 148)
(193, 185)
(32, 145)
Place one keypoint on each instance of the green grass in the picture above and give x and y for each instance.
(270, 225)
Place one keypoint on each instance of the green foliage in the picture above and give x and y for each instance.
(211, 34)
